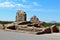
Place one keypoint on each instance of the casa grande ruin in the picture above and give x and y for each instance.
(34, 25)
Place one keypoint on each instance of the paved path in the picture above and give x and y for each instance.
(24, 36)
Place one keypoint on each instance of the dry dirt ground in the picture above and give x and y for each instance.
(5, 35)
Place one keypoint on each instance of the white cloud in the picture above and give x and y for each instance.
(24, 0)
(23, 6)
(6, 4)
(35, 4)
(12, 4)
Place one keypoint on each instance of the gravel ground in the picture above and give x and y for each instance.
(4, 35)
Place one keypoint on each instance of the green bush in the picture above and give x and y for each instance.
(5, 22)
(49, 24)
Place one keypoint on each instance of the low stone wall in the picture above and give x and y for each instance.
(52, 29)
(1, 26)
(12, 26)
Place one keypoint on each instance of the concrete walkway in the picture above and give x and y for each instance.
(4, 35)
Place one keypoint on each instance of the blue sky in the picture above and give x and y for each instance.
(45, 10)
